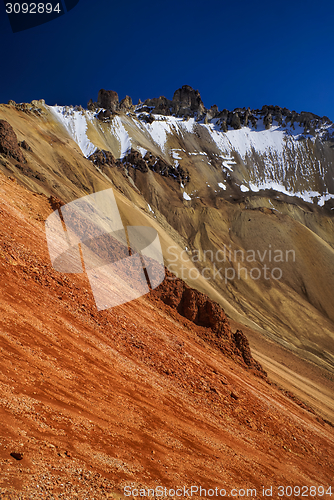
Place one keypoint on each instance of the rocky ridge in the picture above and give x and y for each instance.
(187, 103)
(271, 148)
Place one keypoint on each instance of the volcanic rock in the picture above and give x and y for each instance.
(91, 105)
(146, 118)
(25, 145)
(187, 102)
(105, 115)
(162, 106)
(202, 311)
(8, 142)
(126, 103)
(108, 99)
(135, 159)
(268, 120)
(102, 158)
(235, 121)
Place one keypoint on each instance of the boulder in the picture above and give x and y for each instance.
(207, 314)
(25, 145)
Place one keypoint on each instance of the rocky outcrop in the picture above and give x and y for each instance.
(268, 120)
(105, 115)
(204, 312)
(156, 164)
(188, 102)
(91, 106)
(211, 113)
(135, 160)
(55, 202)
(102, 158)
(235, 121)
(35, 107)
(126, 104)
(108, 99)
(105, 159)
(8, 142)
(146, 118)
(158, 106)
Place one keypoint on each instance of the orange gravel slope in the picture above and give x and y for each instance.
(133, 396)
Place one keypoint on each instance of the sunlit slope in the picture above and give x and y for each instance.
(135, 395)
(220, 227)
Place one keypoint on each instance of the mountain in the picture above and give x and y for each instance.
(233, 191)
(233, 360)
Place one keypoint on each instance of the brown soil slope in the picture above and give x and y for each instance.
(135, 395)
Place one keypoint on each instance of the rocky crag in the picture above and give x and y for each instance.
(187, 103)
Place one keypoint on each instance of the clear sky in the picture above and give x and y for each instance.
(236, 53)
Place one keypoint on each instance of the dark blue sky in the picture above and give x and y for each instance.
(236, 53)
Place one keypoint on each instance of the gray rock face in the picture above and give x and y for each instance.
(235, 121)
(126, 104)
(187, 102)
(161, 105)
(268, 120)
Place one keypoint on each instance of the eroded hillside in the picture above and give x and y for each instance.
(154, 392)
(242, 200)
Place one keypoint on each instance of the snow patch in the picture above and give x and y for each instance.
(307, 196)
(221, 185)
(244, 140)
(142, 151)
(75, 122)
(228, 161)
(118, 130)
(253, 187)
(186, 196)
(175, 154)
